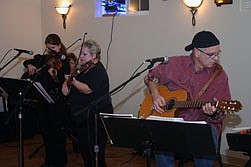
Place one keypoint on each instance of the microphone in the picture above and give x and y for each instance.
(62, 57)
(157, 59)
(30, 52)
(57, 54)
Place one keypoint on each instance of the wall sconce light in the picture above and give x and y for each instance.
(63, 10)
(193, 5)
(223, 2)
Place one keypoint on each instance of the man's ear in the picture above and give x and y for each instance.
(196, 52)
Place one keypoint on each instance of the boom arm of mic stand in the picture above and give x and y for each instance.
(73, 43)
(18, 54)
(130, 79)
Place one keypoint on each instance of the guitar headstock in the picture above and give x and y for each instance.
(229, 105)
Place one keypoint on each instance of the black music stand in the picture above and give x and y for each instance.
(240, 142)
(23, 91)
(153, 135)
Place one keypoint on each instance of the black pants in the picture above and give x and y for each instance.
(86, 135)
(52, 120)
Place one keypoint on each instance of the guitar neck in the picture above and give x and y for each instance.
(193, 104)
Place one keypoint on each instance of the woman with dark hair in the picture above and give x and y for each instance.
(50, 69)
(71, 57)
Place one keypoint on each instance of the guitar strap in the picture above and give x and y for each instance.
(217, 71)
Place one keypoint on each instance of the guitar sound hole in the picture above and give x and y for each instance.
(170, 104)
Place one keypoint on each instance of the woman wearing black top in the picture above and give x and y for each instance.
(50, 69)
(83, 90)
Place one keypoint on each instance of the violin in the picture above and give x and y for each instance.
(82, 69)
(56, 64)
(51, 62)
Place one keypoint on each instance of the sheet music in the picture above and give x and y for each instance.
(242, 128)
(107, 115)
(152, 117)
(195, 122)
(157, 118)
(41, 89)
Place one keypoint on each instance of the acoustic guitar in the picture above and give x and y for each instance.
(178, 99)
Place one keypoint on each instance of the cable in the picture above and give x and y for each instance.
(108, 48)
(136, 70)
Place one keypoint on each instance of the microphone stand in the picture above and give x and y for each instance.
(18, 54)
(73, 43)
(19, 108)
(96, 102)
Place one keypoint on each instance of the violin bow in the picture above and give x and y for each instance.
(81, 48)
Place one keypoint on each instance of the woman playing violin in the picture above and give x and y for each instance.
(86, 88)
(50, 69)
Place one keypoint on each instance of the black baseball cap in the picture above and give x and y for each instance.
(203, 39)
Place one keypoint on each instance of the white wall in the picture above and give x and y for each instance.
(164, 32)
(20, 28)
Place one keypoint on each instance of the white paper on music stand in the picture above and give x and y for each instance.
(195, 122)
(152, 117)
(242, 128)
(107, 115)
(43, 92)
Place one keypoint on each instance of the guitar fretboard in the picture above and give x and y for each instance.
(193, 104)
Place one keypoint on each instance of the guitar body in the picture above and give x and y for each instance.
(178, 99)
(146, 108)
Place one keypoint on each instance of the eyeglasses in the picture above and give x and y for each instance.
(214, 54)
